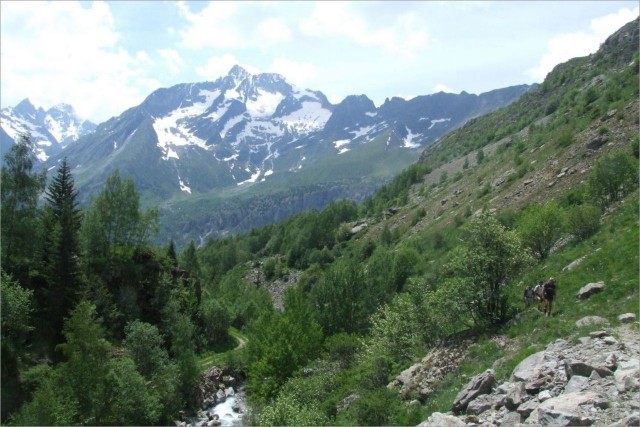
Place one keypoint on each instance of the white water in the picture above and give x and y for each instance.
(226, 413)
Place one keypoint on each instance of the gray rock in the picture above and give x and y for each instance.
(577, 383)
(481, 404)
(627, 318)
(589, 289)
(627, 369)
(529, 368)
(544, 395)
(221, 396)
(480, 384)
(527, 408)
(511, 419)
(438, 419)
(598, 334)
(229, 392)
(591, 321)
(574, 264)
(578, 367)
(562, 410)
(514, 397)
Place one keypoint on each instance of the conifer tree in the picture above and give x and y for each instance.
(61, 222)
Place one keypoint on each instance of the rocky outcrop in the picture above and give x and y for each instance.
(420, 380)
(594, 382)
(589, 289)
(479, 385)
(216, 384)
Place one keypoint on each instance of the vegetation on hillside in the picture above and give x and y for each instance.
(99, 326)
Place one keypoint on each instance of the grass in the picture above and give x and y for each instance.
(229, 357)
(612, 257)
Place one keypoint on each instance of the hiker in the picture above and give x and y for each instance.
(538, 295)
(528, 296)
(549, 294)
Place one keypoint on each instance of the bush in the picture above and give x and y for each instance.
(613, 177)
(540, 226)
(584, 221)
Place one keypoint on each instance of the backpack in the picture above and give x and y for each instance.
(549, 290)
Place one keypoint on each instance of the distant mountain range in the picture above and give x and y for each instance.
(50, 130)
(210, 150)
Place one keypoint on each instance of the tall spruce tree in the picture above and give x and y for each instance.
(19, 198)
(62, 220)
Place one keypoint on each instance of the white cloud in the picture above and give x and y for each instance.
(581, 43)
(173, 60)
(218, 66)
(443, 88)
(274, 31)
(211, 27)
(298, 73)
(406, 36)
(63, 52)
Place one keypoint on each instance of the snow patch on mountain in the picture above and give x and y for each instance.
(265, 104)
(435, 121)
(253, 179)
(231, 123)
(171, 129)
(362, 131)
(183, 186)
(408, 141)
(310, 117)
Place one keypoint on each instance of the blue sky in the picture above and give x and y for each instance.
(105, 57)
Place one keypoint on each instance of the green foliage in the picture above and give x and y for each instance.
(480, 269)
(395, 330)
(583, 221)
(19, 196)
(279, 344)
(17, 308)
(62, 220)
(115, 221)
(286, 411)
(344, 298)
(376, 407)
(612, 178)
(540, 226)
(215, 320)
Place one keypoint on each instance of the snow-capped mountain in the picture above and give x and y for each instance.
(259, 134)
(51, 130)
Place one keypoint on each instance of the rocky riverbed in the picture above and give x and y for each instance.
(221, 398)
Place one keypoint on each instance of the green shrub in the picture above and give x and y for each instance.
(613, 177)
(584, 221)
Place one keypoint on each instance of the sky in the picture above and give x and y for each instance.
(106, 57)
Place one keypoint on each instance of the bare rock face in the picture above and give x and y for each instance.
(528, 368)
(480, 384)
(564, 410)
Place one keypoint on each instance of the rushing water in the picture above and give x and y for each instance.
(226, 414)
(222, 412)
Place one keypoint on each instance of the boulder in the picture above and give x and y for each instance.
(574, 264)
(438, 419)
(228, 392)
(589, 289)
(627, 318)
(480, 384)
(514, 396)
(591, 321)
(627, 375)
(577, 383)
(527, 408)
(544, 395)
(481, 404)
(563, 410)
(221, 396)
(578, 367)
(529, 368)
(511, 419)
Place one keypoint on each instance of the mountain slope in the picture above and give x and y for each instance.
(243, 136)
(51, 130)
